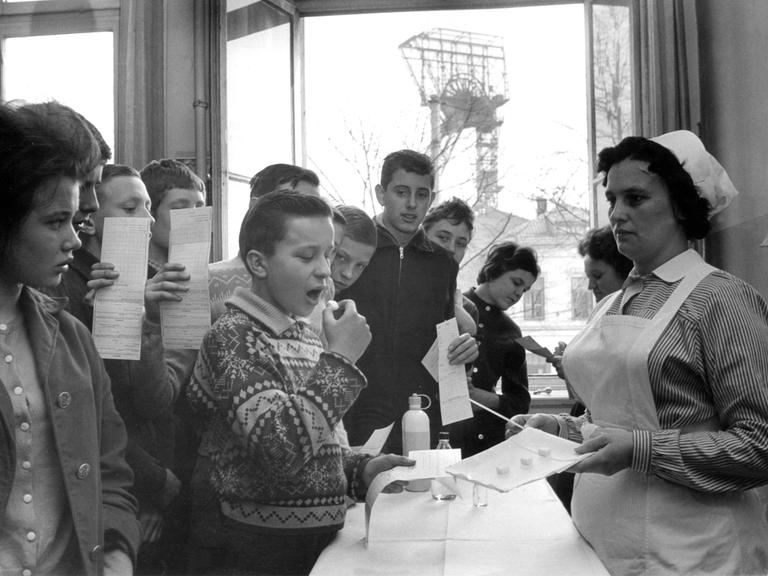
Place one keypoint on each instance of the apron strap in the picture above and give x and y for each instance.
(664, 316)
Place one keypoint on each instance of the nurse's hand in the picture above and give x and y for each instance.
(546, 422)
(612, 448)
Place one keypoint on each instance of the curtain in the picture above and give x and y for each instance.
(140, 132)
(667, 78)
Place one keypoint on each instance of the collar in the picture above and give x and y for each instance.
(259, 309)
(31, 298)
(418, 241)
(678, 267)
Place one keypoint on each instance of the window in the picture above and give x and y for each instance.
(59, 50)
(534, 303)
(40, 68)
(259, 101)
(581, 298)
(508, 131)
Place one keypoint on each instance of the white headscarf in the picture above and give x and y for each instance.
(709, 177)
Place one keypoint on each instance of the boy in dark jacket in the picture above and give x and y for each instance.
(407, 288)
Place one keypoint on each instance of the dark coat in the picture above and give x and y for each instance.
(500, 357)
(89, 434)
(403, 293)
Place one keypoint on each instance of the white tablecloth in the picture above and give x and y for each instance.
(522, 532)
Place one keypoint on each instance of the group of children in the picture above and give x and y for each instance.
(238, 452)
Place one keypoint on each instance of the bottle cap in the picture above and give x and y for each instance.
(444, 435)
(414, 402)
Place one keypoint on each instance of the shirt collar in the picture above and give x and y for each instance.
(259, 309)
(672, 270)
(418, 241)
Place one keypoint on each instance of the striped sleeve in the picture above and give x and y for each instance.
(711, 364)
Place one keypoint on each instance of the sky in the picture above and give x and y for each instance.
(358, 83)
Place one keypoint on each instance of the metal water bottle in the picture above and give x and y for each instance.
(441, 491)
(416, 436)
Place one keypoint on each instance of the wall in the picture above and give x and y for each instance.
(733, 47)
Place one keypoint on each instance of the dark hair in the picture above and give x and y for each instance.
(159, 176)
(690, 209)
(273, 176)
(38, 143)
(455, 210)
(338, 217)
(264, 223)
(599, 244)
(505, 257)
(104, 149)
(360, 226)
(410, 161)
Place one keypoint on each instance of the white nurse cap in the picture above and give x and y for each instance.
(709, 177)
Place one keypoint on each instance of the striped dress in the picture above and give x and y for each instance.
(711, 362)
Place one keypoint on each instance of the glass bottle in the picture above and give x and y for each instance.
(441, 490)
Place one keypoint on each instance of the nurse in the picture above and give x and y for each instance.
(673, 370)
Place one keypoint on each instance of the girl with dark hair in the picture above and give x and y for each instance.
(63, 479)
(673, 370)
(509, 271)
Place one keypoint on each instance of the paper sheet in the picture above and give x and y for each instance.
(118, 309)
(429, 464)
(454, 393)
(376, 441)
(185, 323)
(532, 346)
(544, 455)
(430, 361)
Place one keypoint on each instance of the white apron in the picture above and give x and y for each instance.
(637, 523)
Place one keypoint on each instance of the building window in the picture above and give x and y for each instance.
(534, 304)
(581, 298)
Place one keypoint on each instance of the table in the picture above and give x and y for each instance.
(522, 532)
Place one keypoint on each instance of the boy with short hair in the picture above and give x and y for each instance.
(406, 290)
(450, 225)
(355, 249)
(272, 395)
(171, 185)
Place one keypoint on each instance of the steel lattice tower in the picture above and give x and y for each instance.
(462, 78)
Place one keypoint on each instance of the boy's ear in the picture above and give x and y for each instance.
(380, 194)
(256, 263)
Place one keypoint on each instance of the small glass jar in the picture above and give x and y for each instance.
(479, 496)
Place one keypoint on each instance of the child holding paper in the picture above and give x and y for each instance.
(271, 395)
(406, 290)
(508, 272)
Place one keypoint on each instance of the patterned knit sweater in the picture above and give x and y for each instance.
(272, 396)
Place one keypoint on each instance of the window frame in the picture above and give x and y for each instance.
(46, 18)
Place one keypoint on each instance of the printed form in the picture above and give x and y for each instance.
(454, 392)
(118, 309)
(185, 323)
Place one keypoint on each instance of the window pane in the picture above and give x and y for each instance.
(508, 88)
(581, 298)
(39, 68)
(612, 77)
(612, 69)
(259, 100)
